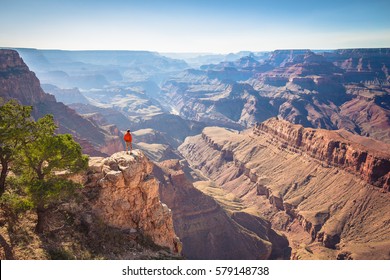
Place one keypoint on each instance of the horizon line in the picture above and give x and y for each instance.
(192, 52)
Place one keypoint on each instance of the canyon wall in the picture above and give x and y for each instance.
(207, 230)
(305, 183)
(134, 195)
(365, 157)
(18, 82)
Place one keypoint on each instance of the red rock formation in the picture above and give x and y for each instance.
(372, 119)
(18, 82)
(364, 157)
(362, 64)
(300, 181)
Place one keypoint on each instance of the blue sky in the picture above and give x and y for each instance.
(194, 26)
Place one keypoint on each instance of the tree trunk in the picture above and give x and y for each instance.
(3, 176)
(9, 255)
(41, 213)
(40, 174)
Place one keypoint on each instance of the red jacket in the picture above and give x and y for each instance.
(128, 137)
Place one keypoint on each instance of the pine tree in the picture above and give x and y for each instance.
(44, 156)
(15, 127)
(37, 154)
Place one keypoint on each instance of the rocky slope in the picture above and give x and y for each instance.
(362, 64)
(117, 215)
(157, 146)
(327, 191)
(207, 230)
(18, 82)
(124, 194)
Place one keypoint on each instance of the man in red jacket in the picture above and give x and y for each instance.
(128, 139)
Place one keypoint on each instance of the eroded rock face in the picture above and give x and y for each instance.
(126, 197)
(288, 174)
(365, 157)
(207, 230)
(18, 82)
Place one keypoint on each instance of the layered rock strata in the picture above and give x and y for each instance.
(207, 230)
(365, 157)
(288, 175)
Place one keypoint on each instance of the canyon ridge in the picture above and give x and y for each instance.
(267, 155)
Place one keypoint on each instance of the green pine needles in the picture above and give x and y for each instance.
(34, 155)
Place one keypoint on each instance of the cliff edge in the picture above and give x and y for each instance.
(118, 215)
(367, 158)
(124, 194)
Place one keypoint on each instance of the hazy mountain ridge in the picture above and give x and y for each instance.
(326, 89)
(18, 82)
(95, 69)
(303, 87)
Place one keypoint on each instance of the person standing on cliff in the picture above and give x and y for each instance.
(128, 139)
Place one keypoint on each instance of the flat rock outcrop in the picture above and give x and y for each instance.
(124, 194)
